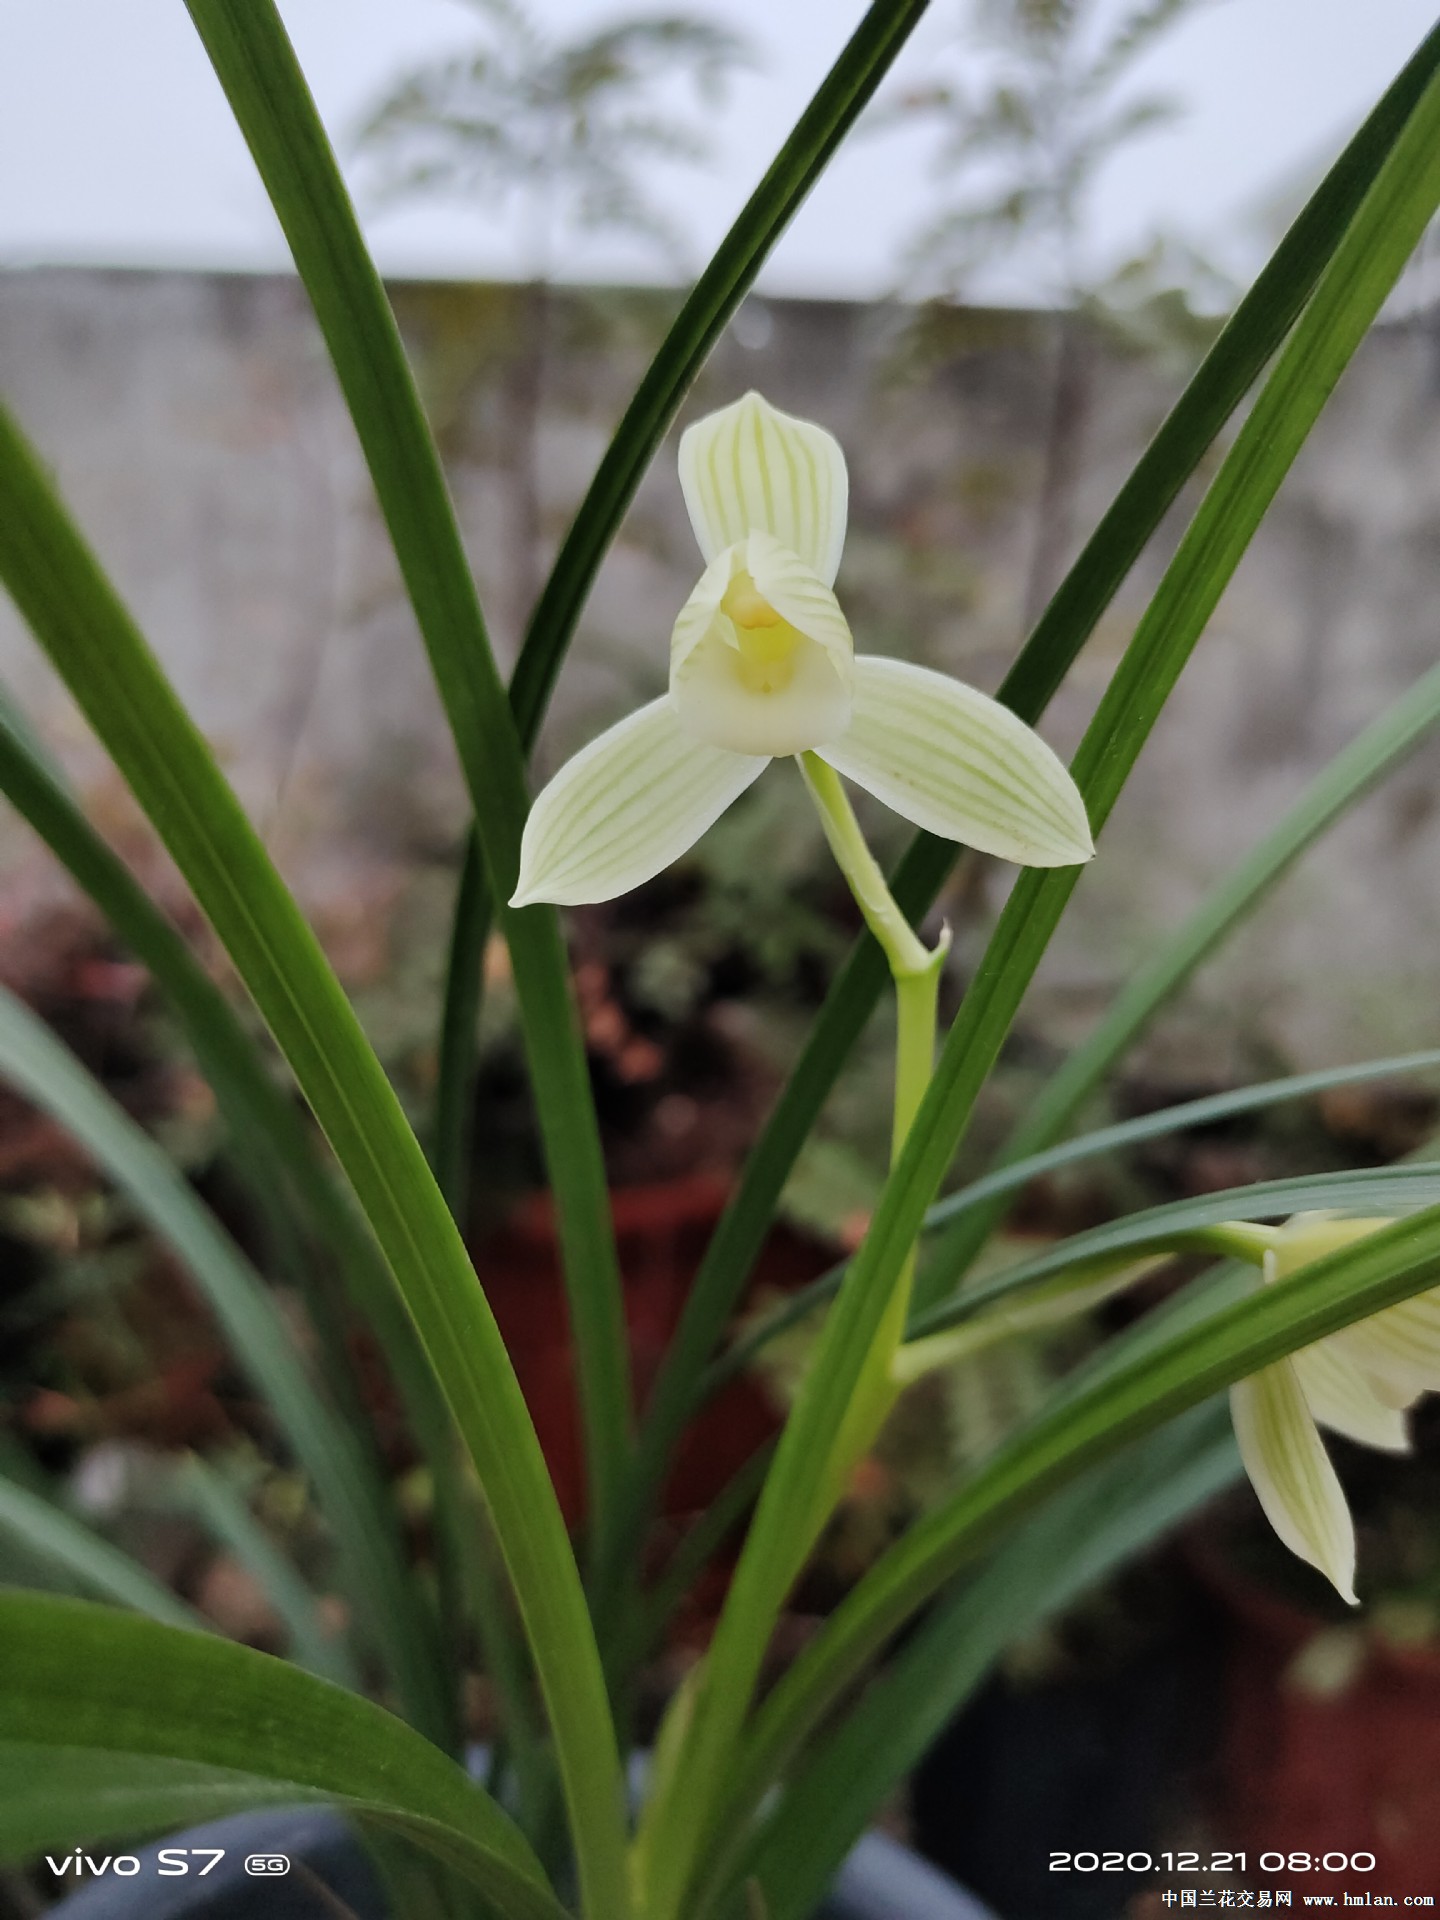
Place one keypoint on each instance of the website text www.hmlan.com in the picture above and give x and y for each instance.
(1272, 1898)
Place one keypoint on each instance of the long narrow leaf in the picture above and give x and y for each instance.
(58, 1540)
(1365, 265)
(1189, 1114)
(1234, 362)
(1087, 1146)
(1125, 1398)
(35, 1063)
(110, 1725)
(254, 61)
(89, 636)
(1375, 752)
(471, 919)
(1078, 1539)
(1373, 1191)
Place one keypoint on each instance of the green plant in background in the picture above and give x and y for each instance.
(111, 1723)
(561, 135)
(563, 127)
(1018, 157)
(1020, 153)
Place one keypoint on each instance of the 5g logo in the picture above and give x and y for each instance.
(269, 1865)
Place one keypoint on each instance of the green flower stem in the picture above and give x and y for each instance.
(916, 997)
(674, 1826)
(905, 951)
(1239, 1240)
(915, 969)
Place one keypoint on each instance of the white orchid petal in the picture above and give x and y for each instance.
(750, 468)
(624, 808)
(1307, 1237)
(715, 706)
(1399, 1348)
(953, 761)
(800, 596)
(1341, 1397)
(1292, 1475)
(700, 616)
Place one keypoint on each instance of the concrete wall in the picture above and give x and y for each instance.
(195, 427)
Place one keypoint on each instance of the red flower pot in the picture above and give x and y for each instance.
(661, 1232)
(1320, 1756)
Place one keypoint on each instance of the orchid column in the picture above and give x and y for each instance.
(762, 665)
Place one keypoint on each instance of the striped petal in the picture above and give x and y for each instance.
(1292, 1475)
(750, 468)
(953, 761)
(1341, 1397)
(1398, 1348)
(625, 807)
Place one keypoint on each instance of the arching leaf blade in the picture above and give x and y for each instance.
(112, 1724)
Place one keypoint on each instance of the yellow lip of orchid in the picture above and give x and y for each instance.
(762, 665)
(1357, 1383)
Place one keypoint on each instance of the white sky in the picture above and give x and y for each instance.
(116, 146)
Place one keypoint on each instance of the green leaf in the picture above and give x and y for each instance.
(35, 1063)
(1124, 1395)
(256, 65)
(60, 1541)
(111, 1725)
(89, 637)
(276, 1142)
(707, 1533)
(451, 1140)
(1079, 1538)
(1365, 265)
(1247, 342)
(837, 103)
(1151, 1126)
(1375, 752)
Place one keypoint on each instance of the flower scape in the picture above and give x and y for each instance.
(763, 666)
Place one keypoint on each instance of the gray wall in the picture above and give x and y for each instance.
(194, 424)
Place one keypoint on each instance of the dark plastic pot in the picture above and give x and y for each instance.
(1102, 1752)
(880, 1881)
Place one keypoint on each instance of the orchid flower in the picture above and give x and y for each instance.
(762, 665)
(1357, 1382)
